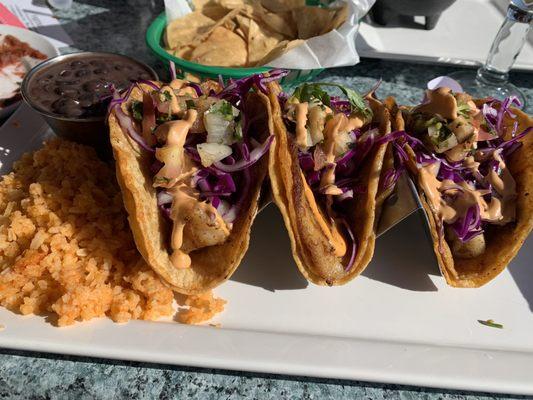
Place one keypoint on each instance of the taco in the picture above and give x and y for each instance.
(325, 166)
(472, 163)
(191, 160)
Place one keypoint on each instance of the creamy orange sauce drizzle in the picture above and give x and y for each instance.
(499, 210)
(327, 181)
(177, 88)
(440, 101)
(176, 176)
(182, 87)
(505, 186)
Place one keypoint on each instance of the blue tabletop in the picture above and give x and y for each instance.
(119, 26)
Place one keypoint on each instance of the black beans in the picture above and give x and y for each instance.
(82, 87)
(67, 107)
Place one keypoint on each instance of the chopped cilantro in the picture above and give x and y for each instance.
(163, 118)
(166, 95)
(310, 91)
(490, 323)
(356, 100)
(313, 91)
(444, 132)
(137, 110)
(237, 135)
(432, 121)
(463, 110)
(190, 105)
(225, 109)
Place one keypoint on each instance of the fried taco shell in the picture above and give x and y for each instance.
(470, 267)
(313, 252)
(210, 265)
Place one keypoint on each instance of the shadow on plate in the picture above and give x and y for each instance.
(268, 262)
(522, 275)
(404, 258)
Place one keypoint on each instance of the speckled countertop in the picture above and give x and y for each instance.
(119, 26)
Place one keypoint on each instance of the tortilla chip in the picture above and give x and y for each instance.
(224, 21)
(279, 50)
(278, 6)
(182, 31)
(210, 265)
(502, 242)
(223, 48)
(312, 251)
(244, 24)
(280, 22)
(260, 42)
(183, 52)
(211, 8)
(340, 18)
(313, 21)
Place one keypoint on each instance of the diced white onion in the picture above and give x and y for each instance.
(342, 143)
(212, 152)
(220, 126)
(164, 198)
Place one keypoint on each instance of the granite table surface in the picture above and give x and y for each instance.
(119, 26)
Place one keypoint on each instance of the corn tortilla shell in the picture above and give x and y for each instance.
(502, 242)
(312, 251)
(210, 265)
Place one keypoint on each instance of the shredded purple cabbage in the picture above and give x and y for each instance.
(353, 241)
(196, 88)
(469, 226)
(248, 160)
(172, 69)
(237, 89)
(149, 83)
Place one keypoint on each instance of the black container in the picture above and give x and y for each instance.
(386, 10)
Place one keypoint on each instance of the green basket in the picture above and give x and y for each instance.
(154, 40)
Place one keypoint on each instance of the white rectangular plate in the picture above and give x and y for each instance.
(462, 36)
(398, 322)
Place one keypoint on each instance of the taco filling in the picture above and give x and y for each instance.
(202, 153)
(462, 150)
